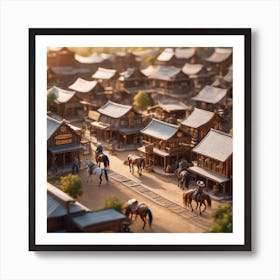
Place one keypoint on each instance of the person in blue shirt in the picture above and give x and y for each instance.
(99, 148)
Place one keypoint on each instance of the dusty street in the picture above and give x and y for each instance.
(164, 220)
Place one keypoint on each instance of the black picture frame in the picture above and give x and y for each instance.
(35, 33)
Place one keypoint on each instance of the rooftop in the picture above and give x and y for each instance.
(220, 55)
(52, 126)
(104, 74)
(82, 85)
(160, 130)
(210, 94)
(198, 118)
(114, 110)
(216, 145)
(62, 95)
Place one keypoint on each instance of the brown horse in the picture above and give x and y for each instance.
(102, 158)
(188, 196)
(141, 209)
(136, 160)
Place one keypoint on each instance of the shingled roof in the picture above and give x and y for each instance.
(184, 53)
(192, 69)
(104, 74)
(52, 126)
(198, 118)
(220, 55)
(171, 106)
(158, 72)
(114, 110)
(62, 95)
(82, 85)
(180, 53)
(216, 145)
(93, 58)
(160, 130)
(210, 94)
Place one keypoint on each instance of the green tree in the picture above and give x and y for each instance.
(72, 185)
(113, 202)
(51, 97)
(222, 219)
(141, 100)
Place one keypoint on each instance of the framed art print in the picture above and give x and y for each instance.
(140, 139)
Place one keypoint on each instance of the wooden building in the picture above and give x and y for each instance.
(214, 160)
(125, 60)
(60, 57)
(163, 144)
(63, 76)
(66, 103)
(94, 61)
(198, 124)
(63, 145)
(132, 78)
(170, 111)
(198, 75)
(168, 79)
(176, 57)
(65, 214)
(219, 61)
(106, 77)
(108, 220)
(225, 81)
(91, 93)
(212, 99)
(119, 124)
(61, 208)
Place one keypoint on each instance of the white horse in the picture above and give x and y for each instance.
(94, 169)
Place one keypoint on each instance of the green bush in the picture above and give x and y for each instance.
(222, 219)
(72, 185)
(142, 100)
(113, 202)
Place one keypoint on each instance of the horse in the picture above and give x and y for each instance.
(141, 209)
(184, 178)
(136, 160)
(103, 158)
(188, 196)
(94, 169)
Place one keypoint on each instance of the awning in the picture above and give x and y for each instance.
(65, 148)
(100, 125)
(155, 151)
(208, 174)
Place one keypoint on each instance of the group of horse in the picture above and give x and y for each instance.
(142, 210)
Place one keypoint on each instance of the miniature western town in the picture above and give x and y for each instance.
(139, 140)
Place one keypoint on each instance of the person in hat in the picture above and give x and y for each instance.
(199, 189)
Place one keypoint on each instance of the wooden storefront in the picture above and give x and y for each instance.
(213, 160)
(63, 145)
(132, 78)
(219, 61)
(167, 79)
(90, 92)
(118, 124)
(170, 111)
(106, 77)
(212, 99)
(163, 145)
(199, 123)
(198, 74)
(66, 104)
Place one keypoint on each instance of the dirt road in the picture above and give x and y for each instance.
(164, 220)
